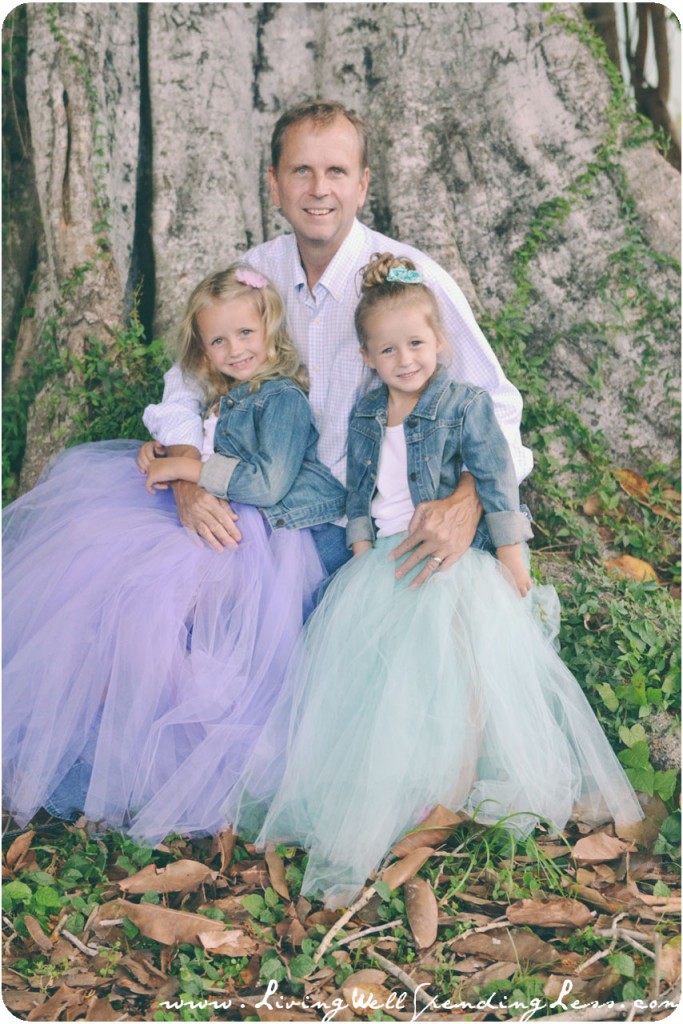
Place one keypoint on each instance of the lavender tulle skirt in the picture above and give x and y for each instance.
(139, 664)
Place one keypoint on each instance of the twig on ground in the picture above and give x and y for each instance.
(344, 919)
(658, 965)
(110, 923)
(626, 936)
(88, 950)
(600, 955)
(368, 931)
(401, 975)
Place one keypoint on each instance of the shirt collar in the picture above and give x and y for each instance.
(341, 267)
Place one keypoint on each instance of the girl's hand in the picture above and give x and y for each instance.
(150, 451)
(159, 475)
(511, 557)
(162, 472)
(360, 546)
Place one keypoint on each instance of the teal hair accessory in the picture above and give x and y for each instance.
(405, 276)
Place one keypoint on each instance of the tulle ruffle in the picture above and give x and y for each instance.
(397, 700)
(139, 664)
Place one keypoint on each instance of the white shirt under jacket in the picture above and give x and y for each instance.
(322, 326)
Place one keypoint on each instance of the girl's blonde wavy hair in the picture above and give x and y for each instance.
(377, 291)
(223, 286)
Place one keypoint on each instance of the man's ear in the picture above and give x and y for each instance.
(274, 190)
(364, 182)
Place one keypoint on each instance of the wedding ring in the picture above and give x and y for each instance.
(435, 558)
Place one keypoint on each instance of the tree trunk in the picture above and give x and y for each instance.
(497, 146)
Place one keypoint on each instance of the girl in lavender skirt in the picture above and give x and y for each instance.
(140, 663)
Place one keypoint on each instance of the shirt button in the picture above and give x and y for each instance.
(413, 476)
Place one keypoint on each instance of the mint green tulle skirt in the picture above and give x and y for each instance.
(397, 700)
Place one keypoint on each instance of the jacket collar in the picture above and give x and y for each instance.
(375, 401)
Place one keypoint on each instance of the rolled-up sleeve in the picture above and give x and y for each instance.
(177, 419)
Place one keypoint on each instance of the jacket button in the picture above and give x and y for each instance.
(230, 402)
(412, 421)
(280, 522)
(413, 476)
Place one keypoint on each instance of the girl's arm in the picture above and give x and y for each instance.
(266, 475)
(511, 557)
(162, 472)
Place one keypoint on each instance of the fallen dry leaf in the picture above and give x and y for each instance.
(506, 944)
(631, 568)
(169, 926)
(551, 913)
(276, 872)
(494, 972)
(228, 943)
(18, 850)
(223, 843)
(21, 1001)
(364, 996)
(598, 847)
(401, 870)
(592, 505)
(633, 484)
(255, 875)
(645, 831)
(435, 829)
(59, 1001)
(37, 934)
(422, 911)
(670, 960)
(175, 877)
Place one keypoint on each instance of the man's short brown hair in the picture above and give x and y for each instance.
(321, 112)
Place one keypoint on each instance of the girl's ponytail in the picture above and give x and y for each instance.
(389, 279)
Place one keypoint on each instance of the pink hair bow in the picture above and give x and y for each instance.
(250, 277)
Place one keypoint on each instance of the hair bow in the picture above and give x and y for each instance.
(251, 278)
(404, 275)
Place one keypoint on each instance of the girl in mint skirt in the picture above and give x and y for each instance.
(399, 698)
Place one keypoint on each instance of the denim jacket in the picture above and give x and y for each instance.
(452, 425)
(265, 446)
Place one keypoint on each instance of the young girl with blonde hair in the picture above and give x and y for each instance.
(139, 663)
(397, 698)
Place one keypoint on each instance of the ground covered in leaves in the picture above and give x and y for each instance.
(462, 923)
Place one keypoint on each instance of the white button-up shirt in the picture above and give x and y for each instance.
(322, 326)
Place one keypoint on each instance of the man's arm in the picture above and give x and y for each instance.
(176, 422)
(210, 517)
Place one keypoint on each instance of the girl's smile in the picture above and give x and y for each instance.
(403, 347)
(233, 338)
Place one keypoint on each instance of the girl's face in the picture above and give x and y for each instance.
(403, 347)
(233, 337)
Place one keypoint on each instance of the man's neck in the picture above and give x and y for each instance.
(315, 259)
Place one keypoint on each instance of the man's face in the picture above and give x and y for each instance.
(319, 183)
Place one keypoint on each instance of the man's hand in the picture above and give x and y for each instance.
(441, 529)
(210, 517)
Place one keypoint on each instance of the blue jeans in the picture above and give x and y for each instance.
(330, 540)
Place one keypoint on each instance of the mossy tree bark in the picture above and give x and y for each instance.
(498, 146)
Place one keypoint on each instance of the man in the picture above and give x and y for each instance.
(319, 178)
